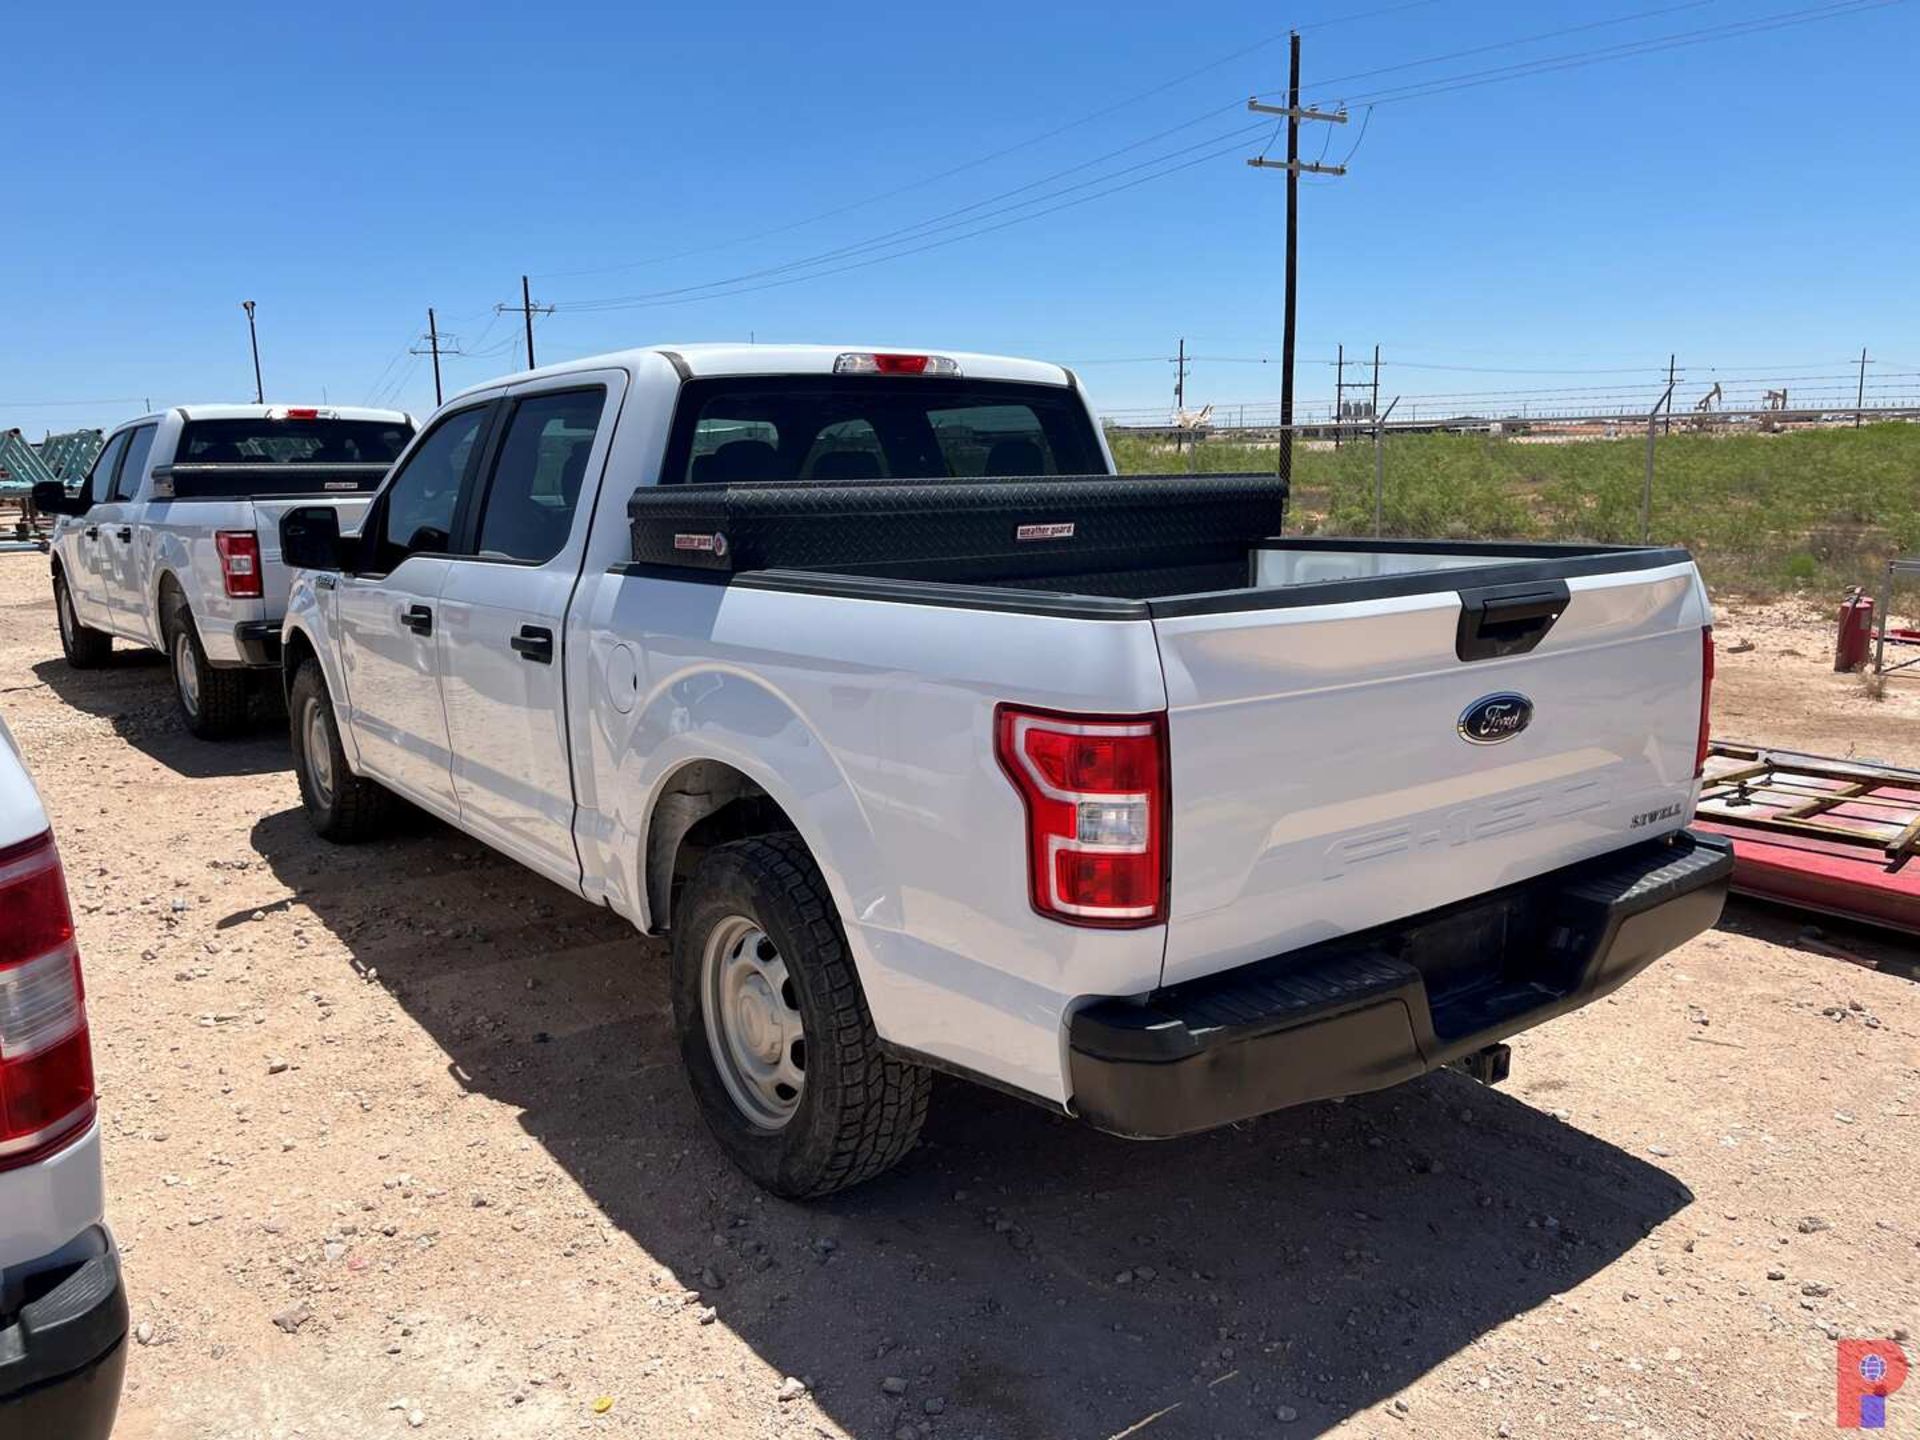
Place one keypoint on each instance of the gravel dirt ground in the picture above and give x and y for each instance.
(396, 1141)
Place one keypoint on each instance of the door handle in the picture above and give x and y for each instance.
(417, 618)
(535, 643)
(93, 532)
(126, 532)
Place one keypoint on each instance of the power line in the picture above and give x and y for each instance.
(392, 391)
(643, 302)
(1627, 50)
(386, 370)
(999, 154)
(954, 224)
(1515, 43)
(932, 226)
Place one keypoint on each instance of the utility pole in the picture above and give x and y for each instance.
(253, 335)
(1180, 396)
(1646, 489)
(1667, 428)
(528, 310)
(1860, 396)
(1339, 391)
(1373, 400)
(435, 349)
(1294, 167)
(1380, 462)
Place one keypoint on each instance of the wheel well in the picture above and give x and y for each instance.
(165, 594)
(297, 651)
(706, 803)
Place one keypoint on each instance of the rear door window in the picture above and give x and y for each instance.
(537, 479)
(134, 468)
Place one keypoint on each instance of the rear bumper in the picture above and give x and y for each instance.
(258, 642)
(62, 1358)
(1373, 1009)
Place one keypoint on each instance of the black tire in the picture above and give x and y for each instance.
(341, 806)
(84, 647)
(859, 1109)
(212, 702)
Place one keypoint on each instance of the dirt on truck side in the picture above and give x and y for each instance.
(396, 1140)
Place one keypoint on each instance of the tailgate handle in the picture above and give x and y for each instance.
(1498, 620)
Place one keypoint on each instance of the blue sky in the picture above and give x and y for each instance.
(1748, 202)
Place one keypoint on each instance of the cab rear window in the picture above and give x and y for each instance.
(292, 442)
(863, 427)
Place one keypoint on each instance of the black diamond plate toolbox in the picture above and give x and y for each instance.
(970, 527)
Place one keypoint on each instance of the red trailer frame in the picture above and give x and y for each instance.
(1836, 836)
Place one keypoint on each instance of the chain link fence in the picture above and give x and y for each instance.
(1767, 502)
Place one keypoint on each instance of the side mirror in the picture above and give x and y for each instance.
(310, 539)
(50, 498)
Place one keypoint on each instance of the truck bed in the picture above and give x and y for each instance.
(1345, 715)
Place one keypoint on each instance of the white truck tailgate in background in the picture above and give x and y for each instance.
(1321, 786)
(274, 576)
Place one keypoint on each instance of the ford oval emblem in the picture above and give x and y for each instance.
(1495, 718)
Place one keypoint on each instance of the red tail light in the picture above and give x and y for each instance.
(1706, 700)
(239, 562)
(864, 362)
(1095, 789)
(46, 1062)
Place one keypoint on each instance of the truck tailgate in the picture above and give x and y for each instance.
(274, 576)
(1322, 777)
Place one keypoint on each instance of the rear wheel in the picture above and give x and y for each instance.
(774, 1030)
(84, 647)
(341, 806)
(212, 701)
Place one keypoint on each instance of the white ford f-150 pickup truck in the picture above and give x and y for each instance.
(173, 540)
(933, 744)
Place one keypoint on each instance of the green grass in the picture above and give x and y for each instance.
(1815, 510)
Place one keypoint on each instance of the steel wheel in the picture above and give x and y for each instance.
(318, 743)
(69, 622)
(186, 671)
(754, 1026)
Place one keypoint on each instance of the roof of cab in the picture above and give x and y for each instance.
(279, 412)
(262, 412)
(714, 359)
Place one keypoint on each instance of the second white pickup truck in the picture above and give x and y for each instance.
(173, 540)
(933, 744)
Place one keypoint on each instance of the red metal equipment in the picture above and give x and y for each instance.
(1835, 836)
(1854, 644)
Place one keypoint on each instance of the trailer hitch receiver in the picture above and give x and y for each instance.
(1489, 1066)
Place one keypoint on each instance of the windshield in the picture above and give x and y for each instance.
(865, 427)
(264, 441)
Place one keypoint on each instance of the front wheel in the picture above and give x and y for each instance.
(213, 702)
(774, 1030)
(84, 647)
(341, 806)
